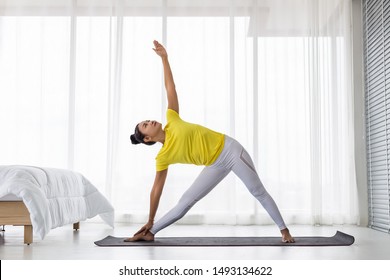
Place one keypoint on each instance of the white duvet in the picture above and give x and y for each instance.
(54, 197)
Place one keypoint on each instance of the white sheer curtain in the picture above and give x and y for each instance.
(76, 76)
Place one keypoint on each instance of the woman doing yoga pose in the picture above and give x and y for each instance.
(189, 143)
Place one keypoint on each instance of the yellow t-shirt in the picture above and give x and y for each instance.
(188, 143)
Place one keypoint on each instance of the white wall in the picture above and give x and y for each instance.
(359, 111)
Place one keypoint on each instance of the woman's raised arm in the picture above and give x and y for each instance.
(173, 102)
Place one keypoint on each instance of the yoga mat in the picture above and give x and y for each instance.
(339, 239)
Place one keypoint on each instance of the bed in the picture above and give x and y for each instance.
(41, 199)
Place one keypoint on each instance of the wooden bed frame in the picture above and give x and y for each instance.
(16, 213)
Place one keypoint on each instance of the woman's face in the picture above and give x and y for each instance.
(149, 128)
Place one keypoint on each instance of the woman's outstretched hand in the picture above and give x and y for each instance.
(144, 230)
(159, 49)
(142, 234)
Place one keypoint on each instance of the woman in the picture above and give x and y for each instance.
(190, 143)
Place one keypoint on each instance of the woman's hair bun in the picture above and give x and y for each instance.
(134, 139)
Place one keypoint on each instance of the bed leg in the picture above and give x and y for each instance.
(28, 234)
(76, 226)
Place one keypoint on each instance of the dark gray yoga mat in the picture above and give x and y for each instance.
(339, 239)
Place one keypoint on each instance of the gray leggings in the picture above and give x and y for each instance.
(232, 158)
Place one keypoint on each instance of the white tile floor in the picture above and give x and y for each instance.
(65, 244)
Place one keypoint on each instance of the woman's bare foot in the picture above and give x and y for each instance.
(141, 237)
(286, 236)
